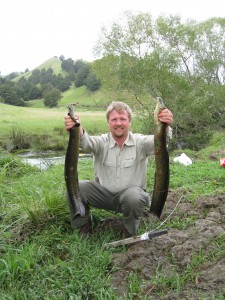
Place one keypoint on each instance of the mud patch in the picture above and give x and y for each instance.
(186, 263)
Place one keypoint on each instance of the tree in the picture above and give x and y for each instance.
(52, 97)
(82, 75)
(10, 95)
(78, 65)
(62, 83)
(68, 65)
(92, 82)
(35, 76)
(62, 57)
(183, 62)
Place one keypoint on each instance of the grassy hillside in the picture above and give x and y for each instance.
(53, 63)
(86, 100)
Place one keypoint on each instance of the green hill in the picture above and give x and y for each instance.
(84, 98)
(54, 63)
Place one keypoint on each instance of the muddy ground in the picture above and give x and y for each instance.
(190, 253)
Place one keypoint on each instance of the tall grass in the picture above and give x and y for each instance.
(41, 258)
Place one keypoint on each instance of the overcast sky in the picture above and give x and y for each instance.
(32, 31)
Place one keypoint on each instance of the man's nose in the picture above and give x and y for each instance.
(118, 122)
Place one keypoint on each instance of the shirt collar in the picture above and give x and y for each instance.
(128, 142)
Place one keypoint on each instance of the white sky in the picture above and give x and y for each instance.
(32, 31)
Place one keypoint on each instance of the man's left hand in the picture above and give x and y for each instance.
(166, 116)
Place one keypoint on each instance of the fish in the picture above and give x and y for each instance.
(161, 181)
(77, 207)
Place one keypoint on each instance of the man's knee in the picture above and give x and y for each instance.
(134, 198)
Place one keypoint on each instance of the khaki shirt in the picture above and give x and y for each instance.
(115, 168)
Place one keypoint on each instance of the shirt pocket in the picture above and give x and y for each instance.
(128, 171)
(109, 168)
(128, 163)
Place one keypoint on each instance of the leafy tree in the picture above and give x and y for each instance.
(62, 83)
(92, 82)
(35, 76)
(78, 65)
(28, 90)
(183, 62)
(68, 65)
(52, 97)
(12, 75)
(82, 75)
(9, 94)
(62, 57)
(46, 76)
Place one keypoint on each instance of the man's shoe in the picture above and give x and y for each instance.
(86, 229)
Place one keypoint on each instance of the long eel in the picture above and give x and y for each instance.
(161, 184)
(76, 206)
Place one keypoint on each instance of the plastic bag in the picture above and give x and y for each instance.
(183, 159)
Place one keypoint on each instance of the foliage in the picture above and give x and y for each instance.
(183, 62)
(68, 65)
(17, 88)
(92, 83)
(82, 75)
(9, 94)
(52, 97)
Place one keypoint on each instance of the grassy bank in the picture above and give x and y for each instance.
(41, 258)
(41, 128)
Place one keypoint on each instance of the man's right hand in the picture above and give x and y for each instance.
(68, 122)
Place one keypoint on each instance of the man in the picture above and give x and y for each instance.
(120, 165)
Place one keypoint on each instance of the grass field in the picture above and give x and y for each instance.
(42, 128)
(41, 258)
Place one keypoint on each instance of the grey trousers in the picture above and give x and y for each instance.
(131, 202)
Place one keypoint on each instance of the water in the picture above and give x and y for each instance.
(43, 160)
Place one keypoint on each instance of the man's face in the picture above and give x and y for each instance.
(119, 124)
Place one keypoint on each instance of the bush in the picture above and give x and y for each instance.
(52, 97)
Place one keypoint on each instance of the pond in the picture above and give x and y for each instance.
(43, 160)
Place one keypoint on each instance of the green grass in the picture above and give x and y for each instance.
(41, 258)
(42, 128)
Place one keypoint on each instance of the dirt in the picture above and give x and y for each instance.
(186, 255)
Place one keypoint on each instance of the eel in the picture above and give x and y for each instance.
(77, 207)
(161, 182)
